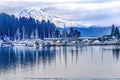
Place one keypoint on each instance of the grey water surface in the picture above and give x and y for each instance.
(59, 62)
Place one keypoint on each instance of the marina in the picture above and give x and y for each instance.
(34, 39)
(83, 41)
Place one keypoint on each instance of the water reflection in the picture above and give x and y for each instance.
(69, 59)
(12, 56)
(116, 52)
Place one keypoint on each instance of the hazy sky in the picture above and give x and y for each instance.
(98, 12)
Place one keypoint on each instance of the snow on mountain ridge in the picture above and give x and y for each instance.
(40, 14)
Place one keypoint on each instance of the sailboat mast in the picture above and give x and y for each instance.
(48, 32)
(36, 33)
(64, 32)
(32, 35)
(23, 33)
(44, 33)
(18, 34)
(8, 34)
(52, 33)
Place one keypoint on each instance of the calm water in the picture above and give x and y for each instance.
(60, 62)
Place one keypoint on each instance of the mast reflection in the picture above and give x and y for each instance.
(12, 56)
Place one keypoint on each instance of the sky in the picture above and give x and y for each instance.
(93, 12)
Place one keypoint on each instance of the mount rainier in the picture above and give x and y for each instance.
(40, 14)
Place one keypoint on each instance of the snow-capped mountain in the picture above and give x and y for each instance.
(40, 14)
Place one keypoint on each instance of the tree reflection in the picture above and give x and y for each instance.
(116, 52)
(7, 57)
(12, 57)
(74, 50)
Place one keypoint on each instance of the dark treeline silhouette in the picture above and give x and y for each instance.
(115, 31)
(91, 31)
(71, 33)
(28, 27)
(74, 33)
(10, 24)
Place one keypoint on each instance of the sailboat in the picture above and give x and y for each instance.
(17, 41)
(64, 42)
(50, 40)
(37, 43)
(34, 41)
(7, 42)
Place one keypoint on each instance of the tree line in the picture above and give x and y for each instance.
(9, 26)
(115, 31)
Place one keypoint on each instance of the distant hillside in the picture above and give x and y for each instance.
(92, 31)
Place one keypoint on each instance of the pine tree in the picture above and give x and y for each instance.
(57, 33)
(113, 30)
(71, 32)
(117, 33)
